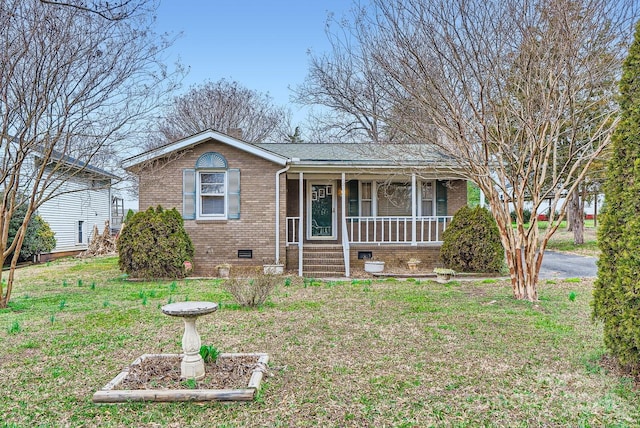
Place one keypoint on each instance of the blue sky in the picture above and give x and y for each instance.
(262, 44)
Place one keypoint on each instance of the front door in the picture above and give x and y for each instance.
(322, 218)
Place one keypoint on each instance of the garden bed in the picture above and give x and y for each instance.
(156, 377)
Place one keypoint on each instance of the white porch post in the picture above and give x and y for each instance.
(301, 221)
(414, 211)
(343, 198)
(482, 199)
(343, 227)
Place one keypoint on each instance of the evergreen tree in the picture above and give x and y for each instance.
(617, 290)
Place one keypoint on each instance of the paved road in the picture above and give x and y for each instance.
(562, 265)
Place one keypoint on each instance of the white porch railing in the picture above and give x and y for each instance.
(293, 230)
(383, 230)
(396, 230)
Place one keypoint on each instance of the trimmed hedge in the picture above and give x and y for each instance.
(616, 294)
(472, 243)
(154, 244)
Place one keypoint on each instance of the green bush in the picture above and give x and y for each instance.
(526, 216)
(38, 239)
(616, 292)
(154, 244)
(472, 243)
(129, 216)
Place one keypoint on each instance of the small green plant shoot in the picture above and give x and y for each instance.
(209, 353)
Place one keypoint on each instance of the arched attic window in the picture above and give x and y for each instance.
(211, 190)
(211, 160)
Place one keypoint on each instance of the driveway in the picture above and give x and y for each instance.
(562, 265)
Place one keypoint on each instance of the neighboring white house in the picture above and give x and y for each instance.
(82, 201)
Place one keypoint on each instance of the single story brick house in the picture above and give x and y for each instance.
(318, 209)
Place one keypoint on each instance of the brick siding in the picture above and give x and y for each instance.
(217, 241)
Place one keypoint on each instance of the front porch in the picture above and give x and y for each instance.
(348, 219)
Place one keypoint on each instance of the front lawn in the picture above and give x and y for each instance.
(353, 353)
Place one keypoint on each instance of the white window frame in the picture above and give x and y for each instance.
(375, 201)
(370, 200)
(80, 234)
(199, 195)
(433, 197)
(374, 195)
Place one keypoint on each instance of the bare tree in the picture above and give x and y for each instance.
(221, 105)
(347, 82)
(510, 90)
(74, 87)
(114, 10)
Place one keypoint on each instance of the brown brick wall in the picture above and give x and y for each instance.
(456, 196)
(218, 241)
(392, 255)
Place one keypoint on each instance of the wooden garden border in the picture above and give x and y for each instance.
(109, 395)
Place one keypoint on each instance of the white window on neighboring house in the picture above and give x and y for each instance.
(80, 232)
(211, 190)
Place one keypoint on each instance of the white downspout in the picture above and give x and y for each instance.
(278, 174)
(301, 221)
(414, 211)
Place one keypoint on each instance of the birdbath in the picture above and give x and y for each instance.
(192, 366)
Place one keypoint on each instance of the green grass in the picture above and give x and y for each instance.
(569, 246)
(543, 225)
(343, 354)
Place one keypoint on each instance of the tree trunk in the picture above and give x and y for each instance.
(19, 239)
(595, 211)
(577, 215)
(521, 252)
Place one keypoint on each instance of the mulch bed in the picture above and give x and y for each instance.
(164, 373)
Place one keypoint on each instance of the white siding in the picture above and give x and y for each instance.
(64, 211)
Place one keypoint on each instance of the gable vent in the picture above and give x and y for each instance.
(211, 160)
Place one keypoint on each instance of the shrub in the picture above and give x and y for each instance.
(526, 216)
(129, 216)
(38, 239)
(154, 244)
(615, 292)
(252, 292)
(472, 243)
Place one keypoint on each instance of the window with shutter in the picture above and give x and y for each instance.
(189, 194)
(211, 190)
